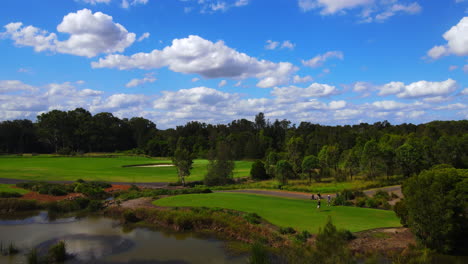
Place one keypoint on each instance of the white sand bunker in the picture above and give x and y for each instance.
(154, 165)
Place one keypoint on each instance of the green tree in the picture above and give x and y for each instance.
(295, 148)
(257, 171)
(437, 204)
(370, 158)
(221, 165)
(182, 161)
(328, 157)
(284, 171)
(330, 246)
(409, 159)
(310, 165)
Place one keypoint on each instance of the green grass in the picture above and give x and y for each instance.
(304, 186)
(300, 214)
(7, 188)
(48, 168)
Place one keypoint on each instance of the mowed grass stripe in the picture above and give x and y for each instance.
(101, 168)
(300, 214)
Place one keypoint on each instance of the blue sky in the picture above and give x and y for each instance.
(173, 61)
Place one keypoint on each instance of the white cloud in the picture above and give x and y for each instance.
(457, 41)
(241, 3)
(14, 85)
(288, 45)
(362, 87)
(410, 114)
(213, 6)
(465, 68)
(391, 88)
(425, 88)
(128, 3)
(320, 59)
(271, 45)
(90, 35)
(456, 106)
(222, 83)
(370, 10)
(149, 78)
(329, 7)
(94, 2)
(389, 105)
(118, 101)
(189, 98)
(299, 79)
(337, 104)
(293, 93)
(412, 8)
(195, 79)
(143, 36)
(465, 91)
(210, 60)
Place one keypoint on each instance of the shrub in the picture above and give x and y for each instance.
(33, 257)
(253, 218)
(94, 205)
(258, 254)
(10, 195)
(258, 172)
(382, 195)
(130, 217)
(286, 230)
(57, 252)
(303, 236)
(12, 205)
(347, 235)
(402, 212)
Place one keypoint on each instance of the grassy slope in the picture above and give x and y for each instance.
(7, 188)
(300, 214)
(100, 168)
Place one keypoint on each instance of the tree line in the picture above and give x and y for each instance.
(307, 149)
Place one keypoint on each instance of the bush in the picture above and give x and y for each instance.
(33, 257)
(253, 218)
(12, 205)
(130, 217)
(57, 252)
(286, 230)
(382, 195)
(402, 212)
(94, 205)
(258, 254)
(258, 172)
(303, 236)
(10, 195)
(347, 235)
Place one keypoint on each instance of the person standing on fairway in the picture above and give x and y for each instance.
(328, 200)
(318, 203)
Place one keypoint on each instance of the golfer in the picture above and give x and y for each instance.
(318, 203)
(328, 200)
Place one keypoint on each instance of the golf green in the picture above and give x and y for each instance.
(299, 214)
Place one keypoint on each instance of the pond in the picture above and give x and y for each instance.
(93, 239)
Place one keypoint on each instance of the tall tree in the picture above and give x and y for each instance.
(371, 158)
(182, 160)
(221, 166)
(310, 165)
(284, 171)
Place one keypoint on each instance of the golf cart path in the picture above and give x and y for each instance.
(307, 196)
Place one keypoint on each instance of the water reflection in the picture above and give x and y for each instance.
(102, 240)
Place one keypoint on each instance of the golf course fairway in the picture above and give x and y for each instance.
(284, 212)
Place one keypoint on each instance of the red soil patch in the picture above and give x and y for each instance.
(49, 198)
(118, 187)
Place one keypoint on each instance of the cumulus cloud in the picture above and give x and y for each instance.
(271, 45)
(200, 56)
(128, 3)
(222, 83)
(292, 93)
(391, 88)
(118, 101)
(425, 88)
(320, 59)
(213, 6)
(7, 86)
(299, 79)
(149, 78)
(90, 35)
(457, 41)
(329, 7)
(94, 2)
